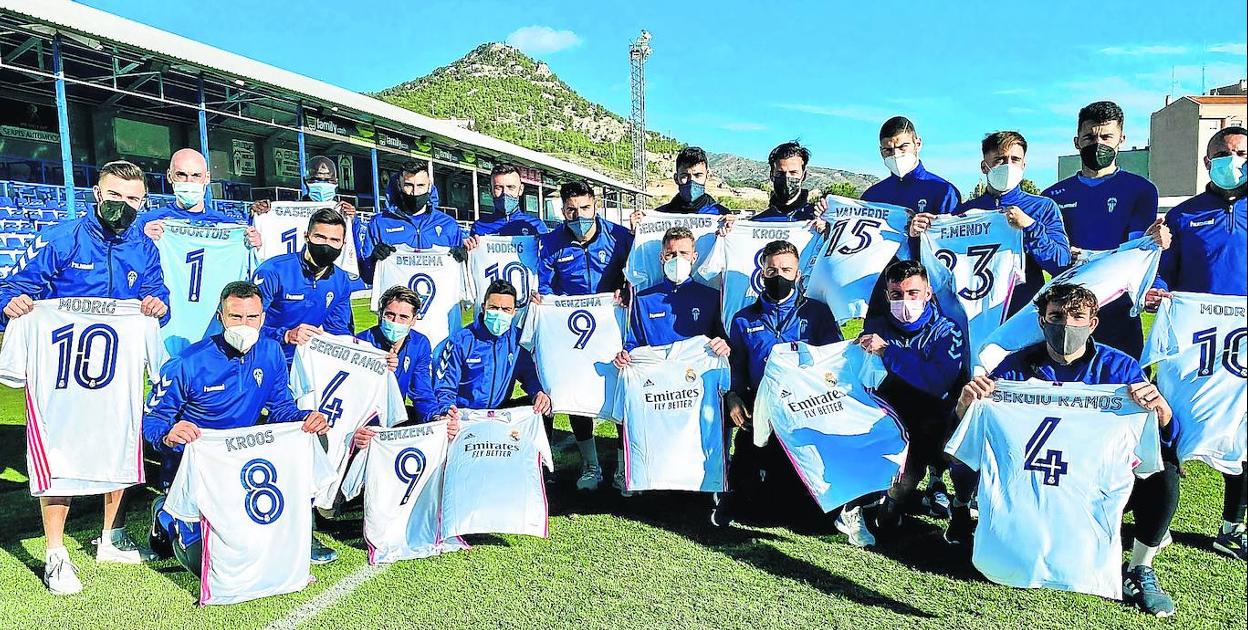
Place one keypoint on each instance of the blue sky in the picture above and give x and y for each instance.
(742, 76)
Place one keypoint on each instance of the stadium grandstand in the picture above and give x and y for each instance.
(80, 87)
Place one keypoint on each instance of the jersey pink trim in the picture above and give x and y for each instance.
(627, 453)
(34, 445)
(541, 482)
(205, 563)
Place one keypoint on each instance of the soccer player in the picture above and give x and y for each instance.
(509, 218)
(321, 185)
(780, 314)
(1068, 317)
(789, 200)
(1104, 206)
(1208, 255)
(411, 218)
(188, 175)
(479, 365)
(1044, 237)
(584, 256)
(691, 176)
(925, 355)
(410, 354)
(101, 254)
(235, 378)
(909, 184)
(304, 292)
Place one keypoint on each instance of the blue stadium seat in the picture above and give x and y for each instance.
(7, 202)
(13, 242)
(7, 260)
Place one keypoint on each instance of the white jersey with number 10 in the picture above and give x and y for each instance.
(510, 258)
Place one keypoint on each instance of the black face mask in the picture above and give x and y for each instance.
(1097, 156)
(777, 287)
(413, 203)
(322, 254)
(786, 187)
(116, 215)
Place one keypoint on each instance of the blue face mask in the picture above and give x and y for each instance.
(322, 191)
(392, 331)
(497, 322)
(506, 204)
(691, 191)
(580, 226)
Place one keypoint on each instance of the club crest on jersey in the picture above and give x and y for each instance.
(830, 379)
(329, 297)
(690, 375)
(131, 277)
(437, 229)
(801, 327)
(602, 257)
(1111, 203)
(258, 374)
(407, 362)
(922, 205)
(696, 312)
(514, 435)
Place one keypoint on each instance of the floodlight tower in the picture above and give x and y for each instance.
(638, 51)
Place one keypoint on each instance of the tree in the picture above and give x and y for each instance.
(1027, 185)
(843, 189)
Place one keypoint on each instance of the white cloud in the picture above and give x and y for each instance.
(541, 40)
(1136, 50)
(852, 112)
(1234, 48)
(743, 126)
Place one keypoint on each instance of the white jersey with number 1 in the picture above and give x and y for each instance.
(198, 260)
(1200, 345)
(283, 230)
(347, 380)
(81, 361)
(436, 277)
(401, 475)
(249, 488)
(1056, 466)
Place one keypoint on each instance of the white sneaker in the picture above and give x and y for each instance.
(123, 551)
(591, 477)
(852, 524)
(60, 576)
(617, 482)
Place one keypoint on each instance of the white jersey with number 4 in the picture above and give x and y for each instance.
(494, 479)
(401, 475)
(436, 277)
(347, 380)
(974, 260)
(250, 488)
(510, 258)
(643, 268)
(1200, 345)
(843, 441)
(1056, 466)
(1128, 270)
(863, 236)
(574, 340)
(735, 263)
(81, 361)
(669, 404)
(283, 230)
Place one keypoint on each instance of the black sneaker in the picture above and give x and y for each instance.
(721, 510)
(936, 500)
(1141, 589)
(888, 516)
(158, 537)
(961, 529)
(1232, 543)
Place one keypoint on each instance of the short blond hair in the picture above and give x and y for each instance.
(1000, 141)
(122, 169)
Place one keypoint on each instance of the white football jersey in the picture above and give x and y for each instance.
(643, 268)
(1056, 466)
(1129, 270)
(493, 479)
(574, 339)
(862, 238)
(510, 258)
(81, 361)
(283, 230)
(401, 474)
(843, 441)
(669, 404)
(735, 262)
(436, 277)
(973, 260)
(249, 489)
(1200, 345)
(198, 260)
(346, 379)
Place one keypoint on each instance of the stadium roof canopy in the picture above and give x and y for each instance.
(241, 88)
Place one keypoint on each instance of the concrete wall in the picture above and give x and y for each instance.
(1178, 134)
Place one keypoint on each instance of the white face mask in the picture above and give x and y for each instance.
(677, 269)
(189, 194)
(900, 164)
(1005, 177)
(1227, 172)
(242, 337)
